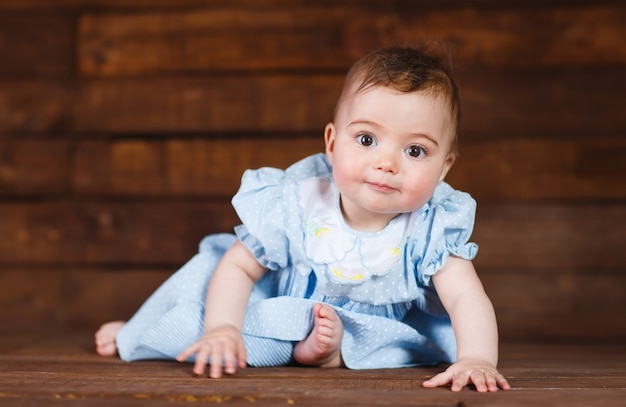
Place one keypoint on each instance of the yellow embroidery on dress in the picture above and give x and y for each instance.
(357, 277)
(319, 226)
(321, 231)
(395, 250)
(350, 275)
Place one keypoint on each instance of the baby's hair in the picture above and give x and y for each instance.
(405, 69)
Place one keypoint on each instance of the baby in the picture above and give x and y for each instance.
(359, 257)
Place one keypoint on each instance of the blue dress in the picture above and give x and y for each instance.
(379, 283)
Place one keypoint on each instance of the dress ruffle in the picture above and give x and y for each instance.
(451, 222)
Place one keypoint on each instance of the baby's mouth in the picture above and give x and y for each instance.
(379, 187)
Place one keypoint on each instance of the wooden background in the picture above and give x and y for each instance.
(125, 127)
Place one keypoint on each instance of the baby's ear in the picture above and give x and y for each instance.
(329, 139)
(447, 164)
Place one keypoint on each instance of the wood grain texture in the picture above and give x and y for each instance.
(398, 5)
(566, 170)
(496, 104)
(57, 370)
(36, 45)
(180, 167)
(125, 127)
(108, 232)
(314, 37)
(72, 298)
(35, 167)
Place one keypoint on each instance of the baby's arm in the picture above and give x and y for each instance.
(475, 328)
(227, 298)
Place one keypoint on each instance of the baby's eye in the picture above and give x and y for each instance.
(366, 140)
(415, 151)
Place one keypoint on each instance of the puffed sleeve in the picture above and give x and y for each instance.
(450, 221)
(259, 204)
(268, 205)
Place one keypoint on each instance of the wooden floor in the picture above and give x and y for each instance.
(63, 370)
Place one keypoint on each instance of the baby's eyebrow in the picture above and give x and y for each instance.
(364, 121)
(427, 137)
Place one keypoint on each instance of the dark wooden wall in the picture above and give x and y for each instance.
(125, 127)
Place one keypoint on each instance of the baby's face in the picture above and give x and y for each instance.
(388, 150)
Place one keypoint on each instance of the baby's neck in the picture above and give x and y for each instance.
(368, 223)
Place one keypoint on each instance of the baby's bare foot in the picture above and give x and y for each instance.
(105, 338)
(323, 345)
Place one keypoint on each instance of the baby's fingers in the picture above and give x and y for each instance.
(458, 380)
(189, 351)
(202, 357)
(440, 379)
(480, 381)
(502, 383)
(233, 357)
(488, 381)
(242, 355)
(218, 357)
(485, 379)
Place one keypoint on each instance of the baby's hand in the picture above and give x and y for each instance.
(482, 374)
(223, 346)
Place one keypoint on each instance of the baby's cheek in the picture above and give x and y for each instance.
(341, 178)
(416, 196)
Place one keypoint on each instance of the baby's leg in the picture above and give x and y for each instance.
(105, 338)
(323, 345)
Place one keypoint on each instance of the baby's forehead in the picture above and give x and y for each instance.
(356, 89)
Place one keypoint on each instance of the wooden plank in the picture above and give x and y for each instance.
(181, 167)
(134, 5)
(551, 304)
(557, 304)
(35, 167)
(36, 44)
(542, 103)
(526, 37)
(496, 104)
(563, 170)
(127, 232)
(157, 391)
(138, 5)
(200, 104)
(72, 298)
(313, 37)
(229, 39)
(35, 106)
(524, 237)
(550, 236)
